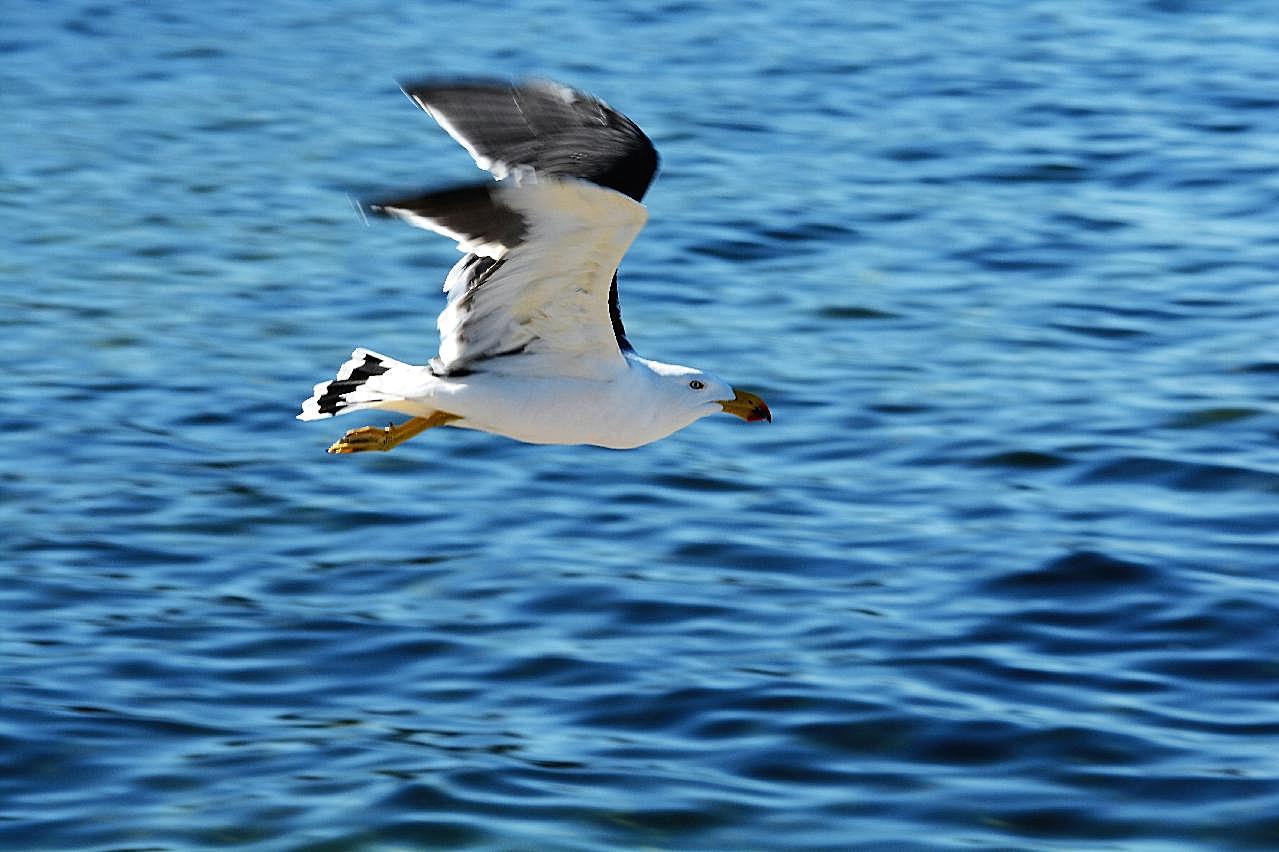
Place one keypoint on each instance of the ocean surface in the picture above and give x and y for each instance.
(1003, 573)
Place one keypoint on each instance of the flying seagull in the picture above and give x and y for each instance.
(531, 340)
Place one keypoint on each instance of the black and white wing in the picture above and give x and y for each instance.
(539, 129)
(543, 126)
(535, 282)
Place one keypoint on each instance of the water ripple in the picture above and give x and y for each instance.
(1000, 574)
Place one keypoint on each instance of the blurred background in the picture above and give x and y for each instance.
(1001, 574)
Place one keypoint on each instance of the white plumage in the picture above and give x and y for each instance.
(550, 295)
(531, 341)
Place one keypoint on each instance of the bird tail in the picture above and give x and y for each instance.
(352, 390)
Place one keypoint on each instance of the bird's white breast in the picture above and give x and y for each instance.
(627, 411)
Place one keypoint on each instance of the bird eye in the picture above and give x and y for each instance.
(696, 385)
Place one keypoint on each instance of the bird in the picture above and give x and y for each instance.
(532, 345)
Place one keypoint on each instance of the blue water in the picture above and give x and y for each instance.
(1002, 574)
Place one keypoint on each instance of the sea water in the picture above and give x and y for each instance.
(1001, 574)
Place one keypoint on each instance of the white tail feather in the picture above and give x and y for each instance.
(351, 389)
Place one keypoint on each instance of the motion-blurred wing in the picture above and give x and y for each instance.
(548, 129)
(542, 126)
(541, 256)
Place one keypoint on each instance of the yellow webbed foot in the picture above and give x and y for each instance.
(363, 440)
(383, 438)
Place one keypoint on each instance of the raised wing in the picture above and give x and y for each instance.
(549, 129)
(541, 257)
(542, 126)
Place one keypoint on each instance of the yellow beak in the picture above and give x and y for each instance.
(747, 406)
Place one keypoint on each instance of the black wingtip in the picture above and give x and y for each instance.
(421, 87)
(474, 211)
(550, 127)
(436, 200)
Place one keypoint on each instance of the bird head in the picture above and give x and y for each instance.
(705, 393)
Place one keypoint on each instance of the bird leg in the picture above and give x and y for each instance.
(383, 438)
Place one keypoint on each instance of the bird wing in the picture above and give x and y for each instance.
(541, 257)
(543, 126)
(549, 129)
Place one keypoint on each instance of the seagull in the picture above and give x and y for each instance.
(532, 345)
